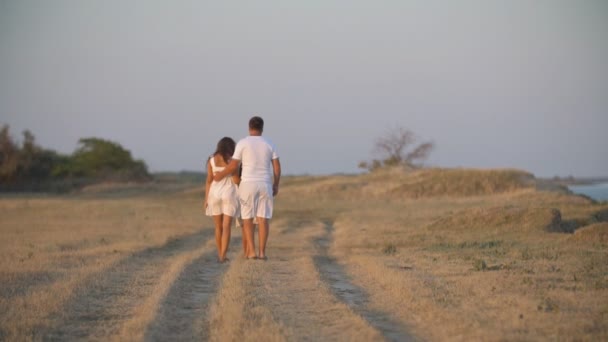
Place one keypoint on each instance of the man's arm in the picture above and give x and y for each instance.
(276, 167)
(228, 170)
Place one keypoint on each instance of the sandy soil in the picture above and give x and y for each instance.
(345, 263)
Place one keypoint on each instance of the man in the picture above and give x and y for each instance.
(259, 183)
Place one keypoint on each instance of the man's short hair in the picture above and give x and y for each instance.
(256, 123)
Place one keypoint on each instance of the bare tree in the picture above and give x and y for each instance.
(399, 146)
(420, 153)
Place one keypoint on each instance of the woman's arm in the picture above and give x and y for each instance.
(208, 181)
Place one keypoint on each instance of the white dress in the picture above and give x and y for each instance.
(223, 198)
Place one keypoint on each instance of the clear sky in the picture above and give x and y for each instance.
(512, 83)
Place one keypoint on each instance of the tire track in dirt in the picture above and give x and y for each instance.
(283, 298)
(98, 308)
(334, 274)
(295, 297)
(16, 285)
(186, 305)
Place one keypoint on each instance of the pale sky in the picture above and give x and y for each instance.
(514, 83)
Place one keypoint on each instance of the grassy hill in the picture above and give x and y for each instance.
(400, 183)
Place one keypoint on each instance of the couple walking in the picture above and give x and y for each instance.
(257, 180)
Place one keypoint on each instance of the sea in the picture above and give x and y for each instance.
(598, 192)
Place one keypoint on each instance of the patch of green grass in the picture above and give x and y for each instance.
(480, 245)
(467, 245)
(389, 249)
(526, 254)
(551, 254)
(548, 305)
(480, 265)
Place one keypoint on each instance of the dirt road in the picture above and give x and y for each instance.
(300, 293)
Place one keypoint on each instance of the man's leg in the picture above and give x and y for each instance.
(244, 239)
(246, 198)
(239, 223)
(248, 228)
(263, 228)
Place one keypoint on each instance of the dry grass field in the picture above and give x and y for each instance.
(434, 255)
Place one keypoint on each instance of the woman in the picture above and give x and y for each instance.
(221, 200)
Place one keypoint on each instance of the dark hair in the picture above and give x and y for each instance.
(225, 148)
(256, 123)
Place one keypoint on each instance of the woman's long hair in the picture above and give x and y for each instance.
(225, 148)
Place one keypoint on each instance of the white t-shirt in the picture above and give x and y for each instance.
(256, 154)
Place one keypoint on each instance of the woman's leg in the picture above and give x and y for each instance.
(217, 221)
(225, 242)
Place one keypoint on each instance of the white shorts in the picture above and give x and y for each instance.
(223, 201)
(222, 206)
(256, 200)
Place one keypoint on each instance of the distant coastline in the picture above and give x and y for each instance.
(568, 181)
(596, 191)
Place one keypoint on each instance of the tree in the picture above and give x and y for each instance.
(9, 156)
(27, 155)
(26, 163)
(27, 166)
(99, 158)
(399, 146)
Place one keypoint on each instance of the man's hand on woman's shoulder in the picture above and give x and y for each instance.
(217, 176)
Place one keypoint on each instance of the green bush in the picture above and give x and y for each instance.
(29, 167)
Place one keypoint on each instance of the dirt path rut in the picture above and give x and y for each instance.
(183, 314)
(98, 310)
(333, 273)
